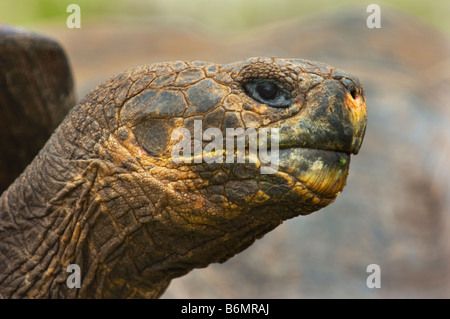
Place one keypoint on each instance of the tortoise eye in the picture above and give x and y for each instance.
(268, 92)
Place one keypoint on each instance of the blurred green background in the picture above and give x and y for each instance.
(230, 15)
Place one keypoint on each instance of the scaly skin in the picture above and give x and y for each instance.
(105, 194)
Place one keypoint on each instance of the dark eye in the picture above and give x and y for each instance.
(268, 92)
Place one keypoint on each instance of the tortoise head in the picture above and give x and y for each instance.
(205, 158)
(251, 135)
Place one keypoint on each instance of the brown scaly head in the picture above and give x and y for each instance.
(117, 195)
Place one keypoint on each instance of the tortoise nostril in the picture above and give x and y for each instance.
(351, 87)
(354, 93)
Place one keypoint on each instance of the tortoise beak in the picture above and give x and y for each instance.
(333, 117)
(355, 105)
(315, 145)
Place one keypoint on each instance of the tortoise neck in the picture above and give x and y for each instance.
(61, 212)
(41, 216)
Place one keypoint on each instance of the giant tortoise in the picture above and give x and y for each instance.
(105, 192)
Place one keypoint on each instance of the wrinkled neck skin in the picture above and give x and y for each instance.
(129, 233)
(46, 217)
(130, 227)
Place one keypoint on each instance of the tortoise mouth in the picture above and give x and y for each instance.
(324, 172)
(288, 145)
